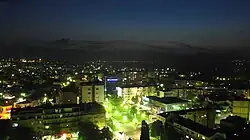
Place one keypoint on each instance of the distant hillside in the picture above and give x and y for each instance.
(125, 45)
(78, 51)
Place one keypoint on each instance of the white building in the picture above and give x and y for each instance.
(92, 92)
(128, 92)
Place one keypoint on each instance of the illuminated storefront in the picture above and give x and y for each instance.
(5, 112)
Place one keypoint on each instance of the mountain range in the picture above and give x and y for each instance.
(126, 45)
(80, 50)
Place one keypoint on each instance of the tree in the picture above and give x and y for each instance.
(55, 129)
(111, 124)
(21, 132)
(170, 133)
(107, 134)
(133, 110)
(156, 128)
(135, 99)
(88, 131)
(5, 129)
(116, 101)
(144, 131)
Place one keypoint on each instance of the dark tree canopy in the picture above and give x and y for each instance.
(156, 128)
(89, 131)
(24, 133)
(144, 131)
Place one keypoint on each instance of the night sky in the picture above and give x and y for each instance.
(202, 22)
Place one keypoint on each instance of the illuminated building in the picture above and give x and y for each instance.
(130, 91)
(92, 92)
(23, 104)
(8, 96)
(111, 84)
(5, 112)
(44, 119)
(165, 104)
(5, 108)
(241, 107)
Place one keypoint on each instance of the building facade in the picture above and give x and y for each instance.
(128, 92)
(67, 97)
(92, 92)
(192, 130)
(241, 108)
(47, 120)
(166, 104)
(203, 116)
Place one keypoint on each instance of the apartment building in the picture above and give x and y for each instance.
(47, 119)
(92, 92)
(130, 91)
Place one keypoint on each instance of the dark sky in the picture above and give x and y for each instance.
(202, 22)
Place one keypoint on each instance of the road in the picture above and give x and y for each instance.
(134, 134)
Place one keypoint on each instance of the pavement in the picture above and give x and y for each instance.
(134, 134)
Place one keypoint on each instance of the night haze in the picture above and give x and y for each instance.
(207, 23)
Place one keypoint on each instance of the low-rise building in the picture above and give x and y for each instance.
(68, 96)
(45, 119)
(203, 116)
(165, 104)
(192, 130)
(241, 107)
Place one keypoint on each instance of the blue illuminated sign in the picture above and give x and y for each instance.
(112, 80)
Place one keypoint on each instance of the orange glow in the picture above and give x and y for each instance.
(5, 114)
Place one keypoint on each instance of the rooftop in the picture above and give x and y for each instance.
(234, 120)
(84, 107)
(183, 112)
(136, 85)
(91, 83)
(224, 97)
(208, 132)
(70, 88)
(167, 100)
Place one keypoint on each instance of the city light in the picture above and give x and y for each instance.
(49, 97)
(23, 94)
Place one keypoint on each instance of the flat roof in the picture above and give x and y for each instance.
(208, 132)
(85, 107)
(233, 119)
(224, 97)
(91, 83)
(167, 100)
(183, 112)
(137, 85)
